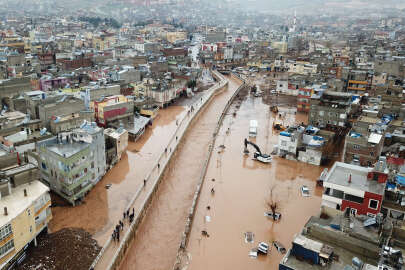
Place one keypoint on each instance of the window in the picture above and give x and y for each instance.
(6, 248)
(5, 231)
(370, 215)
(320, 113)
(356, 146)
(373, 204)
(283, 143)
(372, 154)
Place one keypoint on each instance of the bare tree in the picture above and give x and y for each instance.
(272, 201)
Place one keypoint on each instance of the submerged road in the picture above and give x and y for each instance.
(158, 237)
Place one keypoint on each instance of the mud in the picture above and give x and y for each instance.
(242, 189)
(159, 234)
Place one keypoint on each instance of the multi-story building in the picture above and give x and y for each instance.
(113, 108)
(116, 141)
(331, 109)
(304, 98)
(72, 163)
(357, 188)
(363, 144)
(26, 205)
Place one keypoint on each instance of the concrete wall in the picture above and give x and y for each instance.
(345, 241)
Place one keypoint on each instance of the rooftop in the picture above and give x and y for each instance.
(16, 202)
(67, 150)
(341, 172)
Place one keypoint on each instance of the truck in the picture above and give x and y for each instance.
(253, 128)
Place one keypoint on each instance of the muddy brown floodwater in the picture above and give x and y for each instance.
(242, 188)
(158, 237)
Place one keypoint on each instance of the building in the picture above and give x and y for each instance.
(25, 202)
(363, 144)
(331, 109)
(290, 140)
(73, 162)
(116, 141)
(113, 108)
(303, 101)
(357, 188)
(70, 121)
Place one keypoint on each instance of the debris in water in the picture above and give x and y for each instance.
(205, 233)
(208, 207)
(212, 191)
(213, 179)
(277, 216)
(207, 219)
(108, 186)
(222, 146)
(249, 237)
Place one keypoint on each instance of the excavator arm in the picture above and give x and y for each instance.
(252, 144)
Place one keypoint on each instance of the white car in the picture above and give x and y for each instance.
(305, 191)
(263, 247)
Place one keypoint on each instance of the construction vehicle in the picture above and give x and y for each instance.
(258, 154)
(274, 109)
(279, 126)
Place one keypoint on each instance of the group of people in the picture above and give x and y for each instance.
(120, 226)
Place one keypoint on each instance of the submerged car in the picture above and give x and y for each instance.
(280, 248)
(305, 191)
(263, 247)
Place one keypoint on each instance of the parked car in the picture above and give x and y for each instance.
(273, 92)
(280, 248)
(305, 191)
(263, 247)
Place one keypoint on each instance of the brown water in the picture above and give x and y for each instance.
(242, 187)
(158, 237)
(102, 208)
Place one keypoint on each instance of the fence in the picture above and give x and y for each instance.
(155, 176)
(186, 233)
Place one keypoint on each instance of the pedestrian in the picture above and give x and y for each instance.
(166, 150)
(118, 236)
(127, 213)
(158, 165)
(212, 191)
(133, 211)
(124, 215)
(113, 236)
(144, 182)
(176, 138)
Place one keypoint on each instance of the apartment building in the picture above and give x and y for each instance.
(25, 204)
(331, 109)
(364, 143)
(112, 108)
(73, 162)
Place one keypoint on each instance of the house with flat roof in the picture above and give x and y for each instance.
(357, 188)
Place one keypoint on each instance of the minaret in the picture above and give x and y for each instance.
(295, 21)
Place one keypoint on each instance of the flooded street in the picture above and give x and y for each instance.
(242, 188)
(158, 237)
(102, 208)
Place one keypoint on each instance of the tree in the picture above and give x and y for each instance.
(272, 202)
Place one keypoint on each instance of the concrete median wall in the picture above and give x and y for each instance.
(189, 222)
(176, 139)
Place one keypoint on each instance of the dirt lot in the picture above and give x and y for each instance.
(63, 250)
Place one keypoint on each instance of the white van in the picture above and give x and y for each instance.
(253, 128)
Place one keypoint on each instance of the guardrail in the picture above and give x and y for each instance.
(186, 233)
(162, 161)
